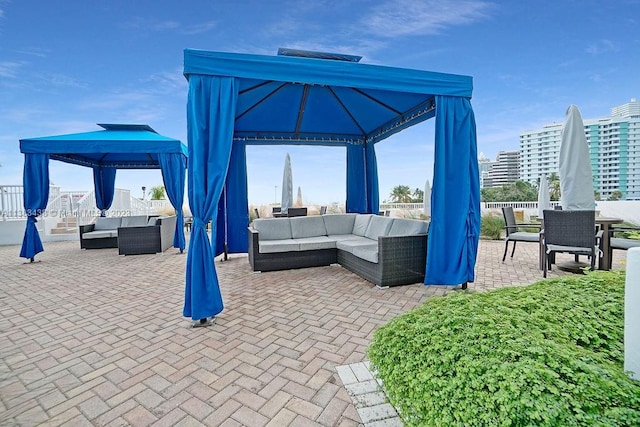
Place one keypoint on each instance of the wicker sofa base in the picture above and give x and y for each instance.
(150, 239)
(103, 243)
(291, 260)
(383, 275)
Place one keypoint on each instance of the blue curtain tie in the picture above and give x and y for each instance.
(32, 219)
(198, 223)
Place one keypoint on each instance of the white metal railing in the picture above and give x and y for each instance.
(12, 201)
(516, 205)
(139, 207)
(156, 206)
(81, 204)
(405, 206)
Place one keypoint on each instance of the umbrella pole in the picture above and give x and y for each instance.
(204, 322)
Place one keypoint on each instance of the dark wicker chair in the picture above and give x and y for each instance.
(569, 232)
(622, 243)
(291, 212)
(514, 235)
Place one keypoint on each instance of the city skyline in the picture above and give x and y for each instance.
(66, 66)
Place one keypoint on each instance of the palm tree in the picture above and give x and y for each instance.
(554, 186)
(418, 196)
(401, 194)
(157, 192)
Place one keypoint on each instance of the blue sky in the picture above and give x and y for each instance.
(67, 65)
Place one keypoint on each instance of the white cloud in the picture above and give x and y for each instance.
(168, 82)
(199, 28)
(61, 80)
(151, 24)
(33, 51)
(9, 69)
(420, 17)
(602, 46)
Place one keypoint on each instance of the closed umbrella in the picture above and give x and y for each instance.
(427, 199)
(287, 186)
(544, 200)
(576, 179)
(299, 198)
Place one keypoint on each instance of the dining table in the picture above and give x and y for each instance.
(605, 224)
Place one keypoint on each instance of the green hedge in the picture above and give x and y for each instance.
(549, 354)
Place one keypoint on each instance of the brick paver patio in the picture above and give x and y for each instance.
(94, 338)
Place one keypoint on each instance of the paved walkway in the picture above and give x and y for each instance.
(93, 338)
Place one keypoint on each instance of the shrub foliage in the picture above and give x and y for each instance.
(492, 226)
(549, 354)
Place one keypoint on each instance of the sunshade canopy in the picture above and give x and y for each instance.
(118, 146)
(314, 98)
(301, 97)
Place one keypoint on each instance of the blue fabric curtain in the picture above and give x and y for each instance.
(173, 167)
(217, 244)
(356, 182)
(455, 208)
(233, 213)
(362, 179)
(373, 199)
(104, 181)
(35, 179)
(211, 106)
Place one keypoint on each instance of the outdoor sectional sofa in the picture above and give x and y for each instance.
(385, 251)
(132, 235)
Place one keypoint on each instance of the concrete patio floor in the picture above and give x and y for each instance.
(88, 337)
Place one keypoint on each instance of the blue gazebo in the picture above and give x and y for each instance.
(313, 98)
(117, 146)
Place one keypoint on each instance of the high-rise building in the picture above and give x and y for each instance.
(484, 166)
(614, 145)
(504, 171)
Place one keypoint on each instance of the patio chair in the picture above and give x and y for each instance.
(296, 212)
(256, 212)
(514, 235)
(571, 232)
(622, 243)
(323, 210)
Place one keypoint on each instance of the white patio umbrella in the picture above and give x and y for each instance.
(287, 186)
(576, 179)
(299, 197)
(544, 200)
(427, 199)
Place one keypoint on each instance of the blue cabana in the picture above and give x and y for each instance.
(118, 146)
(312, 98)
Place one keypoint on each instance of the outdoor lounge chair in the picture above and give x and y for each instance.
(622, 243)
(513, 233)
(571, 232)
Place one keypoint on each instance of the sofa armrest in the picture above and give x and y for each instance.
(254, 247)
(402, 247)
(167, 231)
(86, 228)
